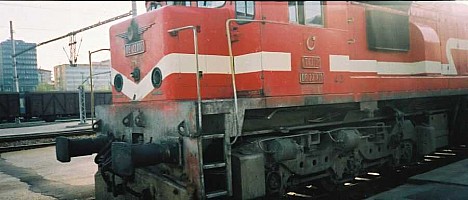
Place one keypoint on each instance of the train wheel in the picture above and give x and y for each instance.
(328, 185)
(407, 152)
(49, 118)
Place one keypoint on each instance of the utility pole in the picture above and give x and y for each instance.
(82, 104)
(91, 81)
(15, 72)
(134, 9)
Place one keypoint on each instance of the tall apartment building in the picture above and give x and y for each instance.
(68, 78)
(26, 65)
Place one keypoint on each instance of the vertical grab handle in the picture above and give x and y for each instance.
(195, 29)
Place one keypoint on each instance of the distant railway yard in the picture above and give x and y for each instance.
(11, 140)
(46, 106)
(28, 167)
(31, 123)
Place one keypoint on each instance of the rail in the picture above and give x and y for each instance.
(33, 122)
(371, 183)
(16, 140)
(9, 138)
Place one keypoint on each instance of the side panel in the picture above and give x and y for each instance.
(9, 106)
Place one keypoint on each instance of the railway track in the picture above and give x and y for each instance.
(34, 123)
(375, 182)
(35, 140)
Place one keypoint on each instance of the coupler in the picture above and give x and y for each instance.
(126, 157)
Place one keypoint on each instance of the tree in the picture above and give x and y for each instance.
(43, 87)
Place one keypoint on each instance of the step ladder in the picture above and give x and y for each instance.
(224, 165)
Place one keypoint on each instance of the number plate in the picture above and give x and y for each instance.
(135, 48)
(313, 78)
(311, 62)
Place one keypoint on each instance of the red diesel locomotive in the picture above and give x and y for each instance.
(245, 99)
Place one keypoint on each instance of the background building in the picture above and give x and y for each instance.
(26, 65)
(45, 76)
(68, 78)
(45, 80)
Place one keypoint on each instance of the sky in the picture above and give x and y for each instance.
(40, 21)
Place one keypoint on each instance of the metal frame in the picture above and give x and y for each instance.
(82, 104)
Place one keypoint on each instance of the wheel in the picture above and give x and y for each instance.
(49, 118)
(407, 152)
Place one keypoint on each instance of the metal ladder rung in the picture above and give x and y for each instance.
(214, 165)
(213, 136)
(216, 193)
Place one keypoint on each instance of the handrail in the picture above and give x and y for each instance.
(174, 32)
(232, 67)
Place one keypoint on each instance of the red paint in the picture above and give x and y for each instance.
(429, 30)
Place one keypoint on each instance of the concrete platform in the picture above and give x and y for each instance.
(36, 174)
(448, 182)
